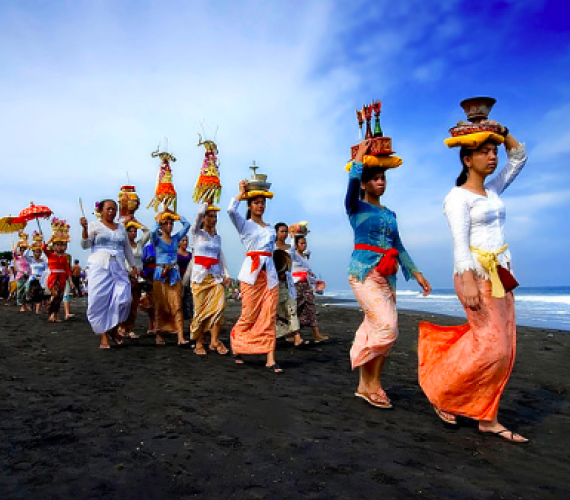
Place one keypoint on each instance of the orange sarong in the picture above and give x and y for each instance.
(464, 369)
(379, 330)
(254, 332)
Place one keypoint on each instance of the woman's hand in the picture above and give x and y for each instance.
(363, 149)
(471, 294)
(424, 283)
(242, 190)
(134, 272)
(83, 222)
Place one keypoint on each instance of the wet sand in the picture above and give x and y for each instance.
(141, 421)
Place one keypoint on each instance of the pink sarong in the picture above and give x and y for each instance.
(379, 330)
(255, 330)
(464, 369)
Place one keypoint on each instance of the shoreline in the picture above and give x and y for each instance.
(325, 301)
(147, 422)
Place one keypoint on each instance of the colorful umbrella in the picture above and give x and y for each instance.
(11, 224)
(35, 212)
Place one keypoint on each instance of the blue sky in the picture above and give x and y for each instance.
(90, 88)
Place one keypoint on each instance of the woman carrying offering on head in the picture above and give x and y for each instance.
(132, 226)
(463, 370)
(22, 268)
(58, 263)
(304, 279)
(38, 267)
(254, 332)
(209, 276)
(109, 298)
(167, 284)
(287, 319)
(378, 250)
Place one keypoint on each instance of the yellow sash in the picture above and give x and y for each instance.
(490, 262)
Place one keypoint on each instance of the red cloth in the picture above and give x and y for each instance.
(302, 275)
(255, 258)
(388, 263)
(57, 263)
(207, 262)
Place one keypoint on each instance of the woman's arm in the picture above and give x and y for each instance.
(409, 269)
(185, 228)
(237, 219)
(154, 237)
(352, 198)
(199, 218)
(145, 237)
(128, 250)
(456, 210)
(227, 276)
(516, 154)
(88, 234)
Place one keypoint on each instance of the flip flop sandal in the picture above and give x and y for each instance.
(200, 351)
(238, 360)
(220, 348)
(322, 338)
(367, 396)
(132, 335)
(305, 343)
(444, 416)
(104, 346)
(507, 435)
(275, 368)
(160, 342)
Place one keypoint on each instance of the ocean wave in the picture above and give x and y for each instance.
(549, 299)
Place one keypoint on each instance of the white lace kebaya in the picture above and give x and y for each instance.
(107, 244)
(255, 238)
(479, 222)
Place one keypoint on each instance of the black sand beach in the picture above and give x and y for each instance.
(147, 422)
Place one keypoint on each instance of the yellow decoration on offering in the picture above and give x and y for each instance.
(391, 161)
(212, 208)
(473, 141)
(254, 194)
(133, 223)
(162, 216)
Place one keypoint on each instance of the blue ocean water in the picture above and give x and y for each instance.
(543, 307)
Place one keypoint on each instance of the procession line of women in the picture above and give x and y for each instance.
(462, 370)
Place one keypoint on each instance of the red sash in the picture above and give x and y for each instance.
(255, 259)
(388, 263)
(302, 275)
(206, 262)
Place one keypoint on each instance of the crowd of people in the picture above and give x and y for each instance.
(177, 275)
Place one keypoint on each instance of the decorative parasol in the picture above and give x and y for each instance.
(35, 212)
(11, 224)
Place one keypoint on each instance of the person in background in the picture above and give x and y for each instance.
(132, 226)
(76, 279)
(184, 260)
(60, 273)
(22, 268)
(304, 279)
